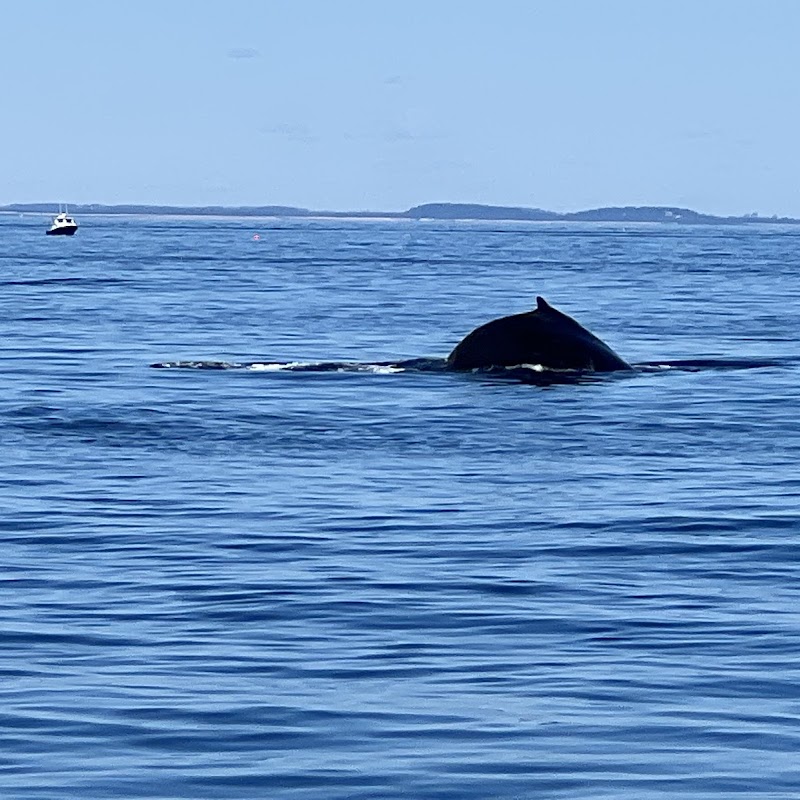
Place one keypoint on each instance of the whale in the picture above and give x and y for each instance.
(545, 338)
(541, 347)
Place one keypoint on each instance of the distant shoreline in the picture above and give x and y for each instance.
(429, 211)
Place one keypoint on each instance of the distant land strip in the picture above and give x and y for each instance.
(433, 211)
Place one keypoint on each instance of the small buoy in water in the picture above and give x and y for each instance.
(256, 237)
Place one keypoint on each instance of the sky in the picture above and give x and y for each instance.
(368, 104)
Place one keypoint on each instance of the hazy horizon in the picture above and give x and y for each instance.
(43, 207)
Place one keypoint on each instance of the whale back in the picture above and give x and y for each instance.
(545, 337)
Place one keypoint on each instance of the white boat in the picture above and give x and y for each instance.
(63, 225)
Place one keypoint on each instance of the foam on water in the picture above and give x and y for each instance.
(276, 366)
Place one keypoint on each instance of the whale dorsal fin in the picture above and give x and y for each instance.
(542, 304)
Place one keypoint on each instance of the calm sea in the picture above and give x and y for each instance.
(367, 582)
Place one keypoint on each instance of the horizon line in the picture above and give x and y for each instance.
(436, 210)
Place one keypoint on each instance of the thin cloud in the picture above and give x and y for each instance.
(293, 132)
(243, 52)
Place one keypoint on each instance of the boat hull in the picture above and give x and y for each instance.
(65, 231)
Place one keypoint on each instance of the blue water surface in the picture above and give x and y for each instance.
(378, 583)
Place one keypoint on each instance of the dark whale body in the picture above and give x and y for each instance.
(544, 337)
(558, 348)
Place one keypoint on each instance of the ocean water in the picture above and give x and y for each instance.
(365, 581)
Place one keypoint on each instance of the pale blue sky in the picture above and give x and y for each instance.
(366, 104)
